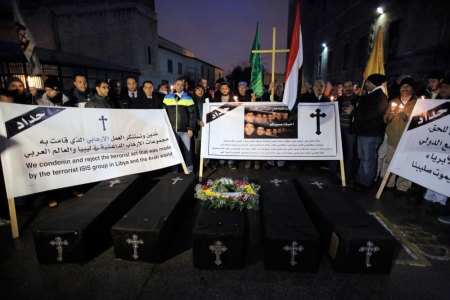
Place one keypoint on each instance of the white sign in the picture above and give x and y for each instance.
(423, 154)
(268, 131)
(45, 148)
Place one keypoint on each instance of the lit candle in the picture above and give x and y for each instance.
(171, 87)
(30, 81)
(423, 97)
(393, 106)
(401, 106)
(332, 98)
(235, 99)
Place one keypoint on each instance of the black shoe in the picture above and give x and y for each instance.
(267, 166)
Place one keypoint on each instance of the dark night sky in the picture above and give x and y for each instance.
(221, 32)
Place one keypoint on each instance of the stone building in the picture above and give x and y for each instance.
(416, 37)
(121, 33)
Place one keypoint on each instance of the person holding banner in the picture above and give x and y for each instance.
(80, 94)
(183, 117)
(396, 118)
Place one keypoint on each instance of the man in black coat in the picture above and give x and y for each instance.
(369, 127)
(150, 99)
(131, 93)
(317, 95)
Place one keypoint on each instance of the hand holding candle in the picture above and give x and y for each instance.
(235, 98)
(393, 106)
(401, 107)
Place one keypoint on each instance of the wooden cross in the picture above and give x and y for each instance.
(273, 51)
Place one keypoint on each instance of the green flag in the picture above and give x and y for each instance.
(256, 81)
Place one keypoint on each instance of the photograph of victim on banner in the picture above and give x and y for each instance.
(423, 154)
(45, 148)
(269, 131)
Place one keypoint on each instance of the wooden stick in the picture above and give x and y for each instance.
(342, 172)
(383, 183)
(183, 164)
(13, 218)
(200, 170)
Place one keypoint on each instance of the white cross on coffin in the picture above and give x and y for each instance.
(135, 242)
(175, 180)
(318, 184)
(276, 181)
(369, 249)
(218, 249)
(59, 243)
(113, 182)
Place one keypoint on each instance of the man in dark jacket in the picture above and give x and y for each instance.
(369, 127)
(115, 87)
(183, 117)
(131, 93)
(150, 99)
(317, 95)
(100, 99)
(80, 94)
(16, 87)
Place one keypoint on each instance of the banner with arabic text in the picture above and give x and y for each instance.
(423, 154)
(269, 131)
(45, 148)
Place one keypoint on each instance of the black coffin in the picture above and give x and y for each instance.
(146, 231)
(219, 239)
(80, 230)
(355, 241)
(291, 241)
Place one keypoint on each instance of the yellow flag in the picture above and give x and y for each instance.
(375, 65)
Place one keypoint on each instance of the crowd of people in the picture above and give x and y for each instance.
(372, 120)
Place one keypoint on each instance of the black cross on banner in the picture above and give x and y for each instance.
(220, 111)
(103, 119)
(317, 116)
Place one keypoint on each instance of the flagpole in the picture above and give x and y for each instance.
(273, 62)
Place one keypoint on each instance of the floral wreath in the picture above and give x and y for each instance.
(228, 193)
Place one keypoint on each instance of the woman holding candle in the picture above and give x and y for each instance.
(396, 117)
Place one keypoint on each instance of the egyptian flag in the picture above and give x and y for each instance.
(26, 40)
(294, 63)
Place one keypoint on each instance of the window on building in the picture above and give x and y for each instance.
(319, 66)
(169, 66)
(149, 55)
(180, 69)
(202, 71)
(362, 52)
(207, 71)
(393, 38)
(345, 57)
(330, 62)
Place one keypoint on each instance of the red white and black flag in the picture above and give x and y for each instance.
(27, 41)
(294, 63)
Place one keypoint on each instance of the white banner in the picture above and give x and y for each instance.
(268, 131)
(423, 154)
(45, 148)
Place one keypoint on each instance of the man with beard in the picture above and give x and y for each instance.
(317, 95)
(369, 127)
(80, 94)
(100, 99)
(396, 117)
(17, 89)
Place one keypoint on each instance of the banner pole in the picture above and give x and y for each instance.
(13, 218)
(183, 164)
(383, 183)
(200, 170)
(342, 173)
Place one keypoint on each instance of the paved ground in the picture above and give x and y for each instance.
(421, 271)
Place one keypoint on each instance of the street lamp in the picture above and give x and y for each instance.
(380, 10)
(324, 45)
